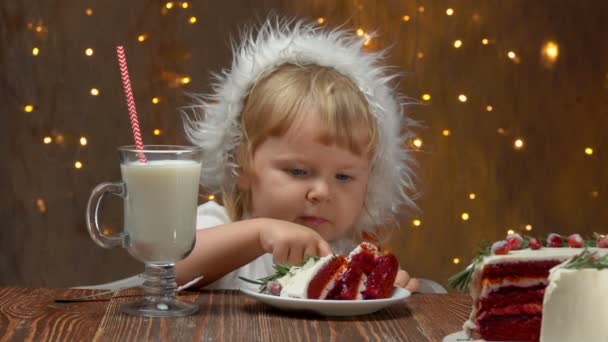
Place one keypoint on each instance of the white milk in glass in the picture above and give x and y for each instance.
(160, 209)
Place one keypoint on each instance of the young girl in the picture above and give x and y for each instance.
(303, 138)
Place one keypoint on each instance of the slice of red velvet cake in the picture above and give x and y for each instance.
(364, 274)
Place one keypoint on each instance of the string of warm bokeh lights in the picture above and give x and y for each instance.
(549, 52)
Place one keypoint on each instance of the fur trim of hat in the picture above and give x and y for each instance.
(215, 123)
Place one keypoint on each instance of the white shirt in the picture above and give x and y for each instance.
(212, 214)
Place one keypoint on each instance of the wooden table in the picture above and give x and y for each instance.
(32, 314)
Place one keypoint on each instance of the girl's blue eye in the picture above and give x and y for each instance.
(296, 172)
(343, 178)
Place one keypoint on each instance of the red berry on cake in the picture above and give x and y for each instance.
(515, 241)
(500, 247)
(575, 241)
(534, 243)
(602, 241)
(554, 240)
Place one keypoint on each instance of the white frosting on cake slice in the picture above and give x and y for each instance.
(575, 307)
(295, 283)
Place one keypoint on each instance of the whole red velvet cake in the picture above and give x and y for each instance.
(508, 285)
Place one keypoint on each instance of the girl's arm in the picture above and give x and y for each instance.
(222, 249)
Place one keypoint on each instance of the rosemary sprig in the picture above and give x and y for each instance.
(461, 280)
(587, 259)
(281, 270)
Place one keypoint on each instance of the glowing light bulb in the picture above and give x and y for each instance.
(367, 41)
(406, 18)
(78, 165)
(421, 9)
(550, 50)
(142, 37)
(588, 151)
(94, 91)
(192, 20)
(83, 141)
(446, 133)
(416, 222)
(89, 12)
(449, 11)
(426, 97)
(28, 108)
(35, 51)
(462, 98)
(528, 227)
(89, 52)
(321, 20)
(185, 80)
(465, 216)
(489, 108)
(185, 5)
(40, 203)
(456, 261)
(417, 142)
(485, 41)
(360, 32)
(211, 197)
(47, 140)
(157, 131)
(518, 144)
(420, 55)
(472, 196)
(169, 5)
(511, 54)
(39, 28)
(155, 100)
(510, 232)
(457, 43)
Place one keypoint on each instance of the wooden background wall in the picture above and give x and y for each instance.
(557, 107)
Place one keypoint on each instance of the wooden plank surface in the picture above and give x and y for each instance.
(28, 314)
(32, 314)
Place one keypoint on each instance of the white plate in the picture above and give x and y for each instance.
(330, 307)
(459, 337)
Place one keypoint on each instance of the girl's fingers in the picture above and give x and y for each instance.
(295, 256)
(324, 248)
(402, 278)
(280, 254)
(412, 285)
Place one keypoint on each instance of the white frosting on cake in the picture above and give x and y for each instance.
(295, 283)
(575, 307)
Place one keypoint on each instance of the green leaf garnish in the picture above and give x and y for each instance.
(587, 259)
(280, 270)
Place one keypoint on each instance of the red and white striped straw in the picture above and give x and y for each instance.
(126, 85)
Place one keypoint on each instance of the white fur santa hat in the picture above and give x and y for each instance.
(215, 125)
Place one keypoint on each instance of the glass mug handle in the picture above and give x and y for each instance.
(93, 205)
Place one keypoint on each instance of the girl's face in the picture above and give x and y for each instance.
(299, 179)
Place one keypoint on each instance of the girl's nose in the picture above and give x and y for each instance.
(318, 192)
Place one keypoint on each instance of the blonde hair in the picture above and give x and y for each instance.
(285, 96)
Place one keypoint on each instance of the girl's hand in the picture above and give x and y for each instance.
(290, 242)
(404, 280)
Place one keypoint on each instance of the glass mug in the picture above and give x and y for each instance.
(160, 195)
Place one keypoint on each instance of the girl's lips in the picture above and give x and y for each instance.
(313, 220)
